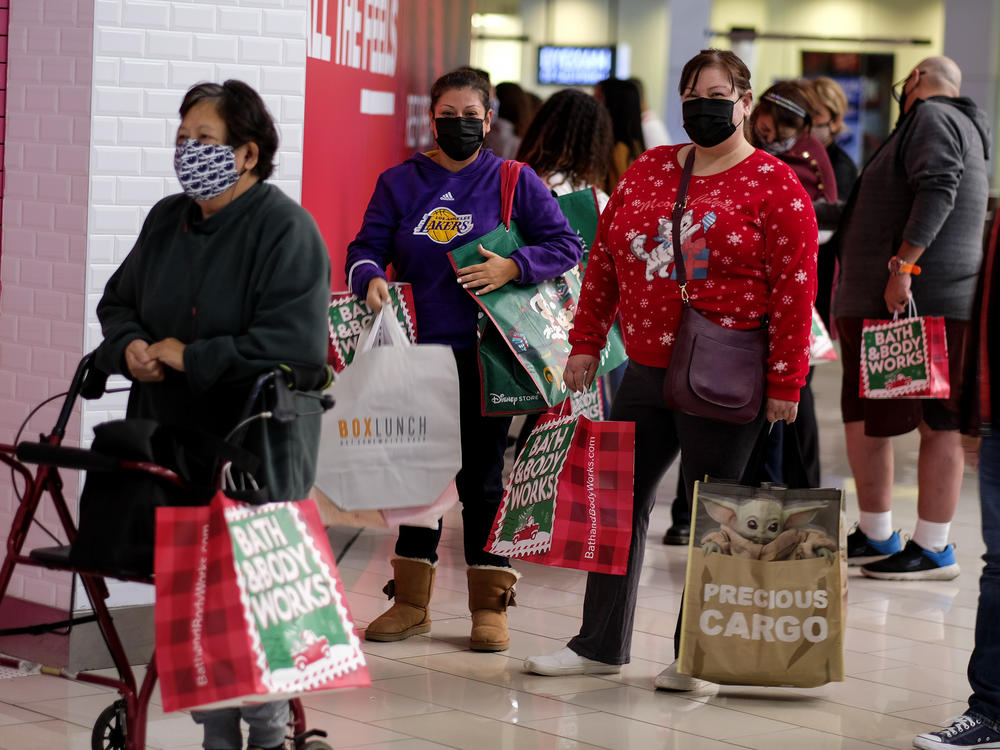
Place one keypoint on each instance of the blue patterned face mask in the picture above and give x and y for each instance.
(205, 170)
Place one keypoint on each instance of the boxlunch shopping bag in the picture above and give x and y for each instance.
(249, 606)
(765, 595)
(350, 315)
(904, 357)
(568, 499)
(392, 438)
(523, 330)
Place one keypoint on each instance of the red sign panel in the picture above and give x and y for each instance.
(369, 68)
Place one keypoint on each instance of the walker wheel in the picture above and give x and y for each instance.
(109, 729)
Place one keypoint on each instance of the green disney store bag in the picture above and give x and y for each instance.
(523, 330)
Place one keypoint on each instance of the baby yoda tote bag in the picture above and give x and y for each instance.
(764, 600)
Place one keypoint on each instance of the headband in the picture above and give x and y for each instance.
(786, 104)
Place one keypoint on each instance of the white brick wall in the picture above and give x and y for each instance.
(147, 53)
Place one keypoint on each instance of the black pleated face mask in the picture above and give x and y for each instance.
(459, 137)
(708, 122)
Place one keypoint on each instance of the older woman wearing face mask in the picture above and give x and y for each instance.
(225, 281)
(749, 244)
(422, 209)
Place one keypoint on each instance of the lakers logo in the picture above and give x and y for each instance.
(443, 225)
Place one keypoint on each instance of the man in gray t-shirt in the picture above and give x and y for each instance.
(913, 228)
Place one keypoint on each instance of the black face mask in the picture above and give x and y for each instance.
(708, 122)
(459, 137)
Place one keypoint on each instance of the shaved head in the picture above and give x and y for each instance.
(942, 75)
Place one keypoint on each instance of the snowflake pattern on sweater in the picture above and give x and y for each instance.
(749, 240)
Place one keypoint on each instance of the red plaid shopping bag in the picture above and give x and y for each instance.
(568, 499)
(249, 606)
(904, 358)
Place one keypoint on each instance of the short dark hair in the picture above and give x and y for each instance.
(739, 73)
(462, 78)
(245, 115)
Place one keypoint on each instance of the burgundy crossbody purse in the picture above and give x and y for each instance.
(714, 372)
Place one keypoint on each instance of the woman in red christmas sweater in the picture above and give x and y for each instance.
(749, 241)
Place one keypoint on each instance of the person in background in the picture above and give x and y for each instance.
(979, 726)
(226, 280)
(914, 231)
(535, 103)
(781, 125)
(758, 258)
(457, 186)
(654, 132)
(569, 145)
(622, 100)
(513, 115)
(828, 104)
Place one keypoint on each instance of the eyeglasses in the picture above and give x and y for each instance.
(899, 86)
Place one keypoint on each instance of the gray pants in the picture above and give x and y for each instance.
(268, 726)
(718, 449)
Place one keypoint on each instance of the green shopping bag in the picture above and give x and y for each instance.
(523, 330)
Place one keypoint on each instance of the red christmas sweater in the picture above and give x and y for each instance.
(749, 239)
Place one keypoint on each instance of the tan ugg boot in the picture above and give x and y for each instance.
(491, 591)
(411, 586)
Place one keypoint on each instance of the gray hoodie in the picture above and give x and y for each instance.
(927, 185)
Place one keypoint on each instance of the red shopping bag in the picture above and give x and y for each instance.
(904, 358)
(568, 499)
(249, 606)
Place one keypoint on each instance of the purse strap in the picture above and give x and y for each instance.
(679, 205)
(509, 172)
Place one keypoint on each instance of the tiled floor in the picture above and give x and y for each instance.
(907, 647)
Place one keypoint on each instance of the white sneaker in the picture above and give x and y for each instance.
(671, 679)
(566, 661)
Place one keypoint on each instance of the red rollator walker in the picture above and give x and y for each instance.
(122, 725)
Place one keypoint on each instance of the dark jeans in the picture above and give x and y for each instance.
(706, 447)
(792, 452)
(984, 666)
(479, 481)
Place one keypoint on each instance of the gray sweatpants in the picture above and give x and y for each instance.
(707, 446)
(268, 725)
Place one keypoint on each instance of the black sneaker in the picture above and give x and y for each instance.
(862, 550)
(679, 533)
(967, 730)
(914, 563)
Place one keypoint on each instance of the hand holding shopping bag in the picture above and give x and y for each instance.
(392, 439)
(905, 357)
(249, 606)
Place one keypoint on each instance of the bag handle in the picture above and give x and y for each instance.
(679, 205)
(911, 307)
(385, 322)
(509, 172)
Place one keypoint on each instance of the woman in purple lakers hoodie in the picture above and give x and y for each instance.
(422, 209)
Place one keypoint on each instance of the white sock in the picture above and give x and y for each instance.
(876, 526)
(932, 536)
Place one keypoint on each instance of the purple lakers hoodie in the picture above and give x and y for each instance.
(420, 212)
